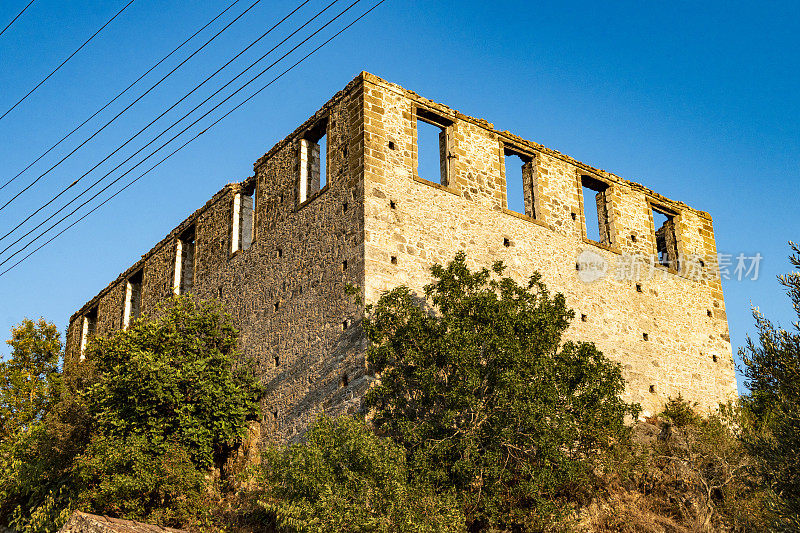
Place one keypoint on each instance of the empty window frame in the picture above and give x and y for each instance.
(520, 195)
(664, 223)
(88, 328)
(433, 147)
(243, 223)
(596, 209)
(313, 161)
(133, 298)
(183, 281)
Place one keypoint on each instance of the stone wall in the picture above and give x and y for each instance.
(377, 224)
(667, 328)
(285, 292)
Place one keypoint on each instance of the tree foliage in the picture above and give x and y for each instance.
(477, 386)
(132, 478)
(31, 473)
(29, 380)
(343, 477)
(138, 425)
(704, 471)
(772, 371)
(173, 380)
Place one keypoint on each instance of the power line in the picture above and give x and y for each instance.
(75, 182)
(187, 142)
(67, 59)
(126, 89)
(15, 18)
(126, 108)
(62, 208)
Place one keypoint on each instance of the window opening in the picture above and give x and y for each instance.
(322, 160)
(666, 238)
(184, 262)
(595, 209)
(133, 298)
(433, 150)
(519, 182)
(88, 328)
(243, 221)
(313, 161)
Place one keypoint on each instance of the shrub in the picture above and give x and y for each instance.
(137, 426)
(772, 371)
(344, 477)
(477, 386)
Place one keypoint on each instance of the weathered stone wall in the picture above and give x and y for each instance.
(376, 224)
(286, 291)
(412, 223)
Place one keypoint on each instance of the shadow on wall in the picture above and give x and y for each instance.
(332, 383)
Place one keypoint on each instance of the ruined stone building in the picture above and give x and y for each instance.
(341, 201)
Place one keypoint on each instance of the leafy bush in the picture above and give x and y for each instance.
(703, 472)
(137, 426)
(131, 477)
(173, 379)
(345, 478)
(477, 386)
(772, 371)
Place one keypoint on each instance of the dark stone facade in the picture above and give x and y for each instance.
(375, 223)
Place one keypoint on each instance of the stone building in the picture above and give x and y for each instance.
(345, 200)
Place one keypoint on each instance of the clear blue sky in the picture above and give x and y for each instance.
(698, 101)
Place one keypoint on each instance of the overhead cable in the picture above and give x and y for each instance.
(51, 216)
(15, 18)
(61, 232)
(128, 107)
(126, 89)
(67, 59)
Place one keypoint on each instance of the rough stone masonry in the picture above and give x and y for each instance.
(341, 201)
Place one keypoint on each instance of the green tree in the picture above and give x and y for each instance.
(175, 379)
(138, 426)
(704, 470)
(477, 386)
(343, 477)
(29, 379)
(772, 371)
(30, 386)
(132, 478)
